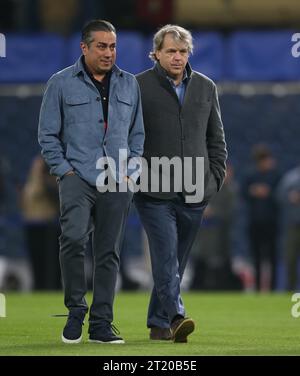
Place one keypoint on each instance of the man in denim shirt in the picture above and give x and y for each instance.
(91, 111)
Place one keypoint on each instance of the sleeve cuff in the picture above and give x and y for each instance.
(61, 169)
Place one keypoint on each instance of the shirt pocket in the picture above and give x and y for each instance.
(77, 109)
(124, 107)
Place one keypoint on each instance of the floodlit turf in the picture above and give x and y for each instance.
(226, 324)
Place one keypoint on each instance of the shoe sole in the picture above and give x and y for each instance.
(118, 341)
(71, 341)
(184, 329)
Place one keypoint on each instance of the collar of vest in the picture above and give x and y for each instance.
(163, 73)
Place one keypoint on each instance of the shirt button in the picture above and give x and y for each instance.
(101, 121)
(104, 98)
(104, 143)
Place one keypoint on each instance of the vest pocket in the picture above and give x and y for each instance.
(211, 188)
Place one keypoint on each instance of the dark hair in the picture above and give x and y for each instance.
(95, 25)
(261, 152)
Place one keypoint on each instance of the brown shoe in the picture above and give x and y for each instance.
(160, 334)
(181, 328)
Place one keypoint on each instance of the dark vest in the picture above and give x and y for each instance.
(192, 130)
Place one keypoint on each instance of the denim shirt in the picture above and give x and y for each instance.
(71, 125)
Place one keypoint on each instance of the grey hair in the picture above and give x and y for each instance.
(179, 34)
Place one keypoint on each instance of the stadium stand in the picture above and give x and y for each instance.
(240, 56)
(31, 58)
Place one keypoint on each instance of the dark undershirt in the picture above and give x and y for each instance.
(103, 88)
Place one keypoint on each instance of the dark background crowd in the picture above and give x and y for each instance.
(250, 237)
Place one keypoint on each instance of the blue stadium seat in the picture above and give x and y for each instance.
(73, 50)
(130, 49)
(147, 48)
(31, 58)
(208, 56)
(243, 56)
(261, 56)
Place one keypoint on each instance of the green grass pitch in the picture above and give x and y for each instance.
(226, 324)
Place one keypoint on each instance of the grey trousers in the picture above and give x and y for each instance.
(84, 210)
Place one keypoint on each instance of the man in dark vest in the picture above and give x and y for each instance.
(182, 120)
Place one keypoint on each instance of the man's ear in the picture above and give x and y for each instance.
(84, 47)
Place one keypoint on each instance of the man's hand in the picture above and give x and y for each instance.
(71, 172)
(130, 183)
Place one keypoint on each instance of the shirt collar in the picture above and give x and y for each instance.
(89, 73)
(162, 72)
(184, 78)
(79, 68)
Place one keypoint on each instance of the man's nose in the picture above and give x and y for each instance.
(108, 52)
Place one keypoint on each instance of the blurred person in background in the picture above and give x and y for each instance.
(1, 186)
(259, 189)
(91, 111)
(2, 227)
(15, 268)
(40, 209)
(212, 250)
(182, 119)
(289, 199)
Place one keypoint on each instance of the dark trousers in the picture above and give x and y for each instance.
(85, 210)
(43, 247)
(263, 245)
(171, 227)
(292, 254)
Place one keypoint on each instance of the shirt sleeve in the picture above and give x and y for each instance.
(50, 126)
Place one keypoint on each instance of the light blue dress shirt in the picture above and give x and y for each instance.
(181, 87)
